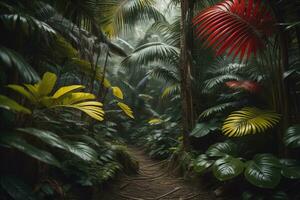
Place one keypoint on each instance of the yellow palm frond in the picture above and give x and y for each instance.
(249, 120)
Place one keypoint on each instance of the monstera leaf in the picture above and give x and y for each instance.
(249, 120)
(237, 27)
(290, 168)
(201, 163)
(263, 171)
(223, 149)
(227, 168)
(205, 128)
(292, 136)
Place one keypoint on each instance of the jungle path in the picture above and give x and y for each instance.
(153, 182)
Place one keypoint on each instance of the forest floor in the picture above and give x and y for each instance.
(154, 182)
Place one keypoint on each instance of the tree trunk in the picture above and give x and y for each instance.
(185, 65)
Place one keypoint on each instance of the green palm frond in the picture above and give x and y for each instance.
(11, 59)
(82, 13)
(152, 52)
(212, 83)
(249, 120)
(217, 109)
(26, 25)
(120, 15)
(165, 74)
(170, 33)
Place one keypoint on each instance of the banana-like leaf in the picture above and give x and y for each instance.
(11, 59)
(92, 108)
(10, 104)
(236, 27)
(117, 92)
(75, 97)
(263, 171)
(227, 168)
(292, 136)
(66, 90)
(77, 148)
(45, 86)
(21, 90)
(14, 141)
(46, 136)
(127, 110)
(38, 94)
(249, 120)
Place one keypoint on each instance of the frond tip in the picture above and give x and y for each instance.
(249, 120)
(237, 27)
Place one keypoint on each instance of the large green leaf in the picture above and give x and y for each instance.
(292, 136)
(83, 151)
(249, 120)
(205, 128)
(227, 168)
(79, 149)
(46, 136)
(263, 171)
(223, 149)
(290, 168)
(201, 163)
(10, 104)
(11, 59)
(17, 142)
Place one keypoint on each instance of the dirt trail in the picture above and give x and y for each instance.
(153, 182)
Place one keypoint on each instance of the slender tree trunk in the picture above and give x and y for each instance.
(185, 65)
(281, 102)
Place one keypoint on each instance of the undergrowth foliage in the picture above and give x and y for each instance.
(82, 79)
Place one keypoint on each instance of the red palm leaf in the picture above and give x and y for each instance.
(237, 27)
(250, 86)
